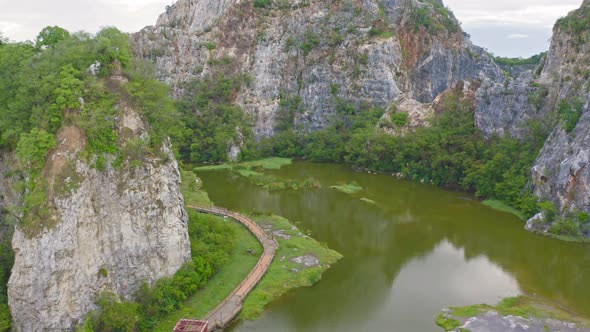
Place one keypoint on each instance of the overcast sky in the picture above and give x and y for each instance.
(505, 27)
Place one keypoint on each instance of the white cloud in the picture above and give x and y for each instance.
(23, 19)
(490, 23)
(511, 12)
(517, 36)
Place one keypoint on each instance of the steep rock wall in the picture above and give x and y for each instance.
(112, 230)
(322, 52)
(561, 173)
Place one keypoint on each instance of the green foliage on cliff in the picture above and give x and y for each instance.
(33, 148)
(37, 85)
(262, 3)
(6, 262)
(570, 113)
(47, 86)
(434, 19)
(51, 36)
(576, 22)
(213, 122)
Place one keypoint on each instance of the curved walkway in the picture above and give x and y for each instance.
(227, 310)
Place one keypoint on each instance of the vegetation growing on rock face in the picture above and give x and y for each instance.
(213, 122)
(570, 113)
(576, 22)
(434, 19)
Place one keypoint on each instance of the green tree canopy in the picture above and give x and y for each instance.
(50, 36)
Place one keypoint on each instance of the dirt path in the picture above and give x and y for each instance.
(227, 310)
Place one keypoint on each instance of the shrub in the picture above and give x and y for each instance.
(262, 3)
(400, 119)
(549, 209)
(33, 148)
(310, 42)
(570, 113)
(566, 226)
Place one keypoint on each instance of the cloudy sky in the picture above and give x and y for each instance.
(505, 27)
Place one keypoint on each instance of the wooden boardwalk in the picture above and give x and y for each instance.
(227, 310)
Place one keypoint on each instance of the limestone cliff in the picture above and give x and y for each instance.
(386, 53)
(561, 172)
(369, 51)
(110, 230)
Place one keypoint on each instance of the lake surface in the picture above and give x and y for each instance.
(418, 250)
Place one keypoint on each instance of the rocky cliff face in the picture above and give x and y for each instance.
(561, 172)
(112, 229)
(385, 53)
(370, 51)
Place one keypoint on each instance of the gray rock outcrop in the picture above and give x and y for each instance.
(561, 172)
(323, 53)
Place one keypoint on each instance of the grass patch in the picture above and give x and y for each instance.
(267, 163)
(271, 182)
(349, 188)
(368, 201)
(501, 206)
(222, 167)
(253, 171)
(231, 274)
(447, 323)
(283, 274)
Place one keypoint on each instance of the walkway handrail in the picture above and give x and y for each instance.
(247, 285)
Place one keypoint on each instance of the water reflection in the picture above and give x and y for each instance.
(418, 250)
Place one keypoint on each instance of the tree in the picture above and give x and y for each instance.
(33, 147)
(50, 36)
(69, 91)
(112, 45)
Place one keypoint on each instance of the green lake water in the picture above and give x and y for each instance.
(418, 250)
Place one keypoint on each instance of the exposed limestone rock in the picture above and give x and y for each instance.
(321, 52)
(561, 172)
(503, 107)
(113, 229)
(418, 115)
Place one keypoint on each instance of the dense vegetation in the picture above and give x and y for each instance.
(451, 152)
(533, 60)
(212, 241)
(211, 118)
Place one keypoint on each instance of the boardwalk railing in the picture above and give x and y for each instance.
(227, 310)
